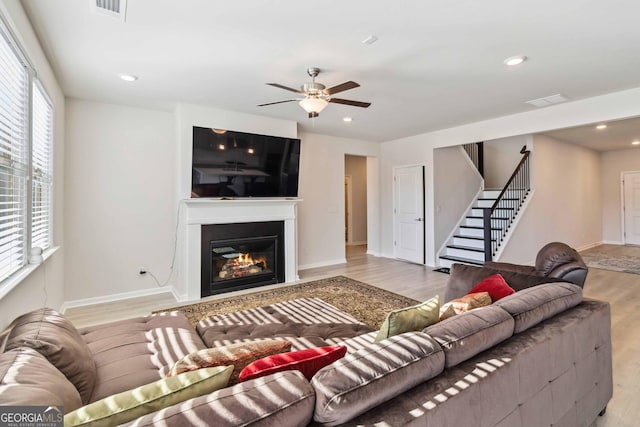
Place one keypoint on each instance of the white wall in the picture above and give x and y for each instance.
(321, 213)
(456, 184)
(501, 156)
(47, 281)
(356, 168)
(120, 183)
(613, 164)
(566, 203)
(419, 149)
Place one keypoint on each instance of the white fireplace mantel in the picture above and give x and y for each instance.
(199, 212)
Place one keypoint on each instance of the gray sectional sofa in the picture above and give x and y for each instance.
(540, 357)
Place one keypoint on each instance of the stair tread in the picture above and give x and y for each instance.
(466, 248)
(476, 227)
(498, 209)
(461, 259)
(495, 198)
(480, 217)
(458, 236)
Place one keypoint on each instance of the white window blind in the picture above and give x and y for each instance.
(41, 169)
(14, 105)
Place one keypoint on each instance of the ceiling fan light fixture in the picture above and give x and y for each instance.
(313, 105)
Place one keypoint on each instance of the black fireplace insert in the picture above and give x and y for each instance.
(241, 255)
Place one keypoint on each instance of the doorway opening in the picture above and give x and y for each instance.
(355, 202)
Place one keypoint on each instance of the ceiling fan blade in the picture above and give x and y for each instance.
(341, 87)
(349, 102)
(285, 87)
(277, 102)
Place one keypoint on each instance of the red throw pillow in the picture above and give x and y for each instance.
(495, 285)
(308, 361)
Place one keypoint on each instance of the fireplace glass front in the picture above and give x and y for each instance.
(241, 255)
(239, 258)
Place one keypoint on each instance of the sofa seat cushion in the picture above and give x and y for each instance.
(289, 403)
(133, 352)
(131, 404)
(54, 336)
(531, 306)
(373, 375)
(27, 378)
(239, 355)
(305, 322)
(467, 334)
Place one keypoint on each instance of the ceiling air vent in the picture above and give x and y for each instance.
(548, 100)
(113, 8)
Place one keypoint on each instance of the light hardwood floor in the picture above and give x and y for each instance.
(621, 290)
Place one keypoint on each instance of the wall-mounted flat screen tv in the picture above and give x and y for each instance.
(237, 164)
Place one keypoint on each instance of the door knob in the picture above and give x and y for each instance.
(418, 219)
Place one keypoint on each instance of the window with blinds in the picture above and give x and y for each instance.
(26, 145)
(41, 171)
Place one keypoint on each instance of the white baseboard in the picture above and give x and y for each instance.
(374, 253)
(612, 242)
(593, 245)
(115, 297)
(323, 264)
(179, 297)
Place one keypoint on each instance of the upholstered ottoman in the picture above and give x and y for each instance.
(305, 322)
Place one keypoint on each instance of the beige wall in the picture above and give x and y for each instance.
(321, 186)
(45, 285)
(613, 164)
(120, 182)
(456, 185)
(566, 203)
(501, 156)
(356, 168)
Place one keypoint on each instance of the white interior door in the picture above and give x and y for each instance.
(631, 195)
(409, 213)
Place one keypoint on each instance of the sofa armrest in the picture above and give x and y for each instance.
(286, 398)
(514, 268)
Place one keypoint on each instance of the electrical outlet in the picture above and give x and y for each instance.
(142, 270)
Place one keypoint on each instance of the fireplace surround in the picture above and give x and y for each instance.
(196, 213)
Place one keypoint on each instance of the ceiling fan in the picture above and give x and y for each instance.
(317, 96)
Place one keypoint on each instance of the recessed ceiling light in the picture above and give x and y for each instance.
(370, 40)
(636, 142)
(515, 60)
(128, 77)
(601, 126)
(347, 119)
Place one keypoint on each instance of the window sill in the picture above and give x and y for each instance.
(14, 280)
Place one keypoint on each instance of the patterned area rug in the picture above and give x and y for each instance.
(366, 303)
(622, 263)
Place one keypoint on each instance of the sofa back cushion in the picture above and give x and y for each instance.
(373, 375)
(467, 334)
(27, 378)
(54, 336)
(531, 306)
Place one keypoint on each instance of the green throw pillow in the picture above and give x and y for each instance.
(408, 319)
(131, 404)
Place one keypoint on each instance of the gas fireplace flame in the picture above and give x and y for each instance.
(243, 265)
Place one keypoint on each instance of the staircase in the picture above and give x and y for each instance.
(466, 246)
(473, 242)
